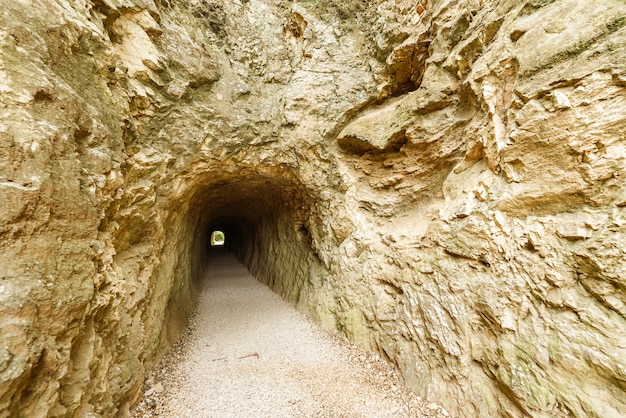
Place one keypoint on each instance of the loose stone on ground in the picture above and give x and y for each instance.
(249, 353)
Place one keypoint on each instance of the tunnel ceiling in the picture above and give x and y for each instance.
(248, 194)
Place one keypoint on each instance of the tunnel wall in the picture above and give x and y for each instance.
(280, 255)
(441, 181)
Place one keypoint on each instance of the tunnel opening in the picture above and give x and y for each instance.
(231, 227)
(265, 215)
(218, 238)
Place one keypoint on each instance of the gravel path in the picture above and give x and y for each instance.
(248, 353)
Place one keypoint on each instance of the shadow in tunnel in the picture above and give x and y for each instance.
(267, 217)
(272, 228)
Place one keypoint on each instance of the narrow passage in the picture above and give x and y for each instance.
(250, 354)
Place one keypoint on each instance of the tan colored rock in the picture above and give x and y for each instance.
(441, 181)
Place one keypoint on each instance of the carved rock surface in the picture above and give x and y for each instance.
(442, 181)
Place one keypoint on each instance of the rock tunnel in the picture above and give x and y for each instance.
(412, 174)
(265, 213)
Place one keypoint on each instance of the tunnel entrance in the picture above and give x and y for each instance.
(270, 223)
(218, 239)
(263, 216)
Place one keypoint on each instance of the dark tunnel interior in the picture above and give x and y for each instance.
(269, 220)
(266, 216)
(233, 229)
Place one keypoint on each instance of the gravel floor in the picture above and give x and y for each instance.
(247, 353)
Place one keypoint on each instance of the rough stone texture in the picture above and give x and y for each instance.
(442, 181)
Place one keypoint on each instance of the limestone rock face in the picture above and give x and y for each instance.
(442, 181)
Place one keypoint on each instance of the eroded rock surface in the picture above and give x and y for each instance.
(442, 181)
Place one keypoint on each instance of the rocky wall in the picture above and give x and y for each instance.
(440, 180)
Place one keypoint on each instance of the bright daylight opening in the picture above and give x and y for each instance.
(217, 239)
